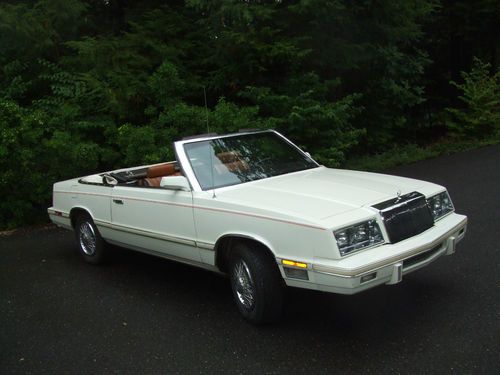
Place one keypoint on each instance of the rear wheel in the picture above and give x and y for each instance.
(91, 246)
(256, 283)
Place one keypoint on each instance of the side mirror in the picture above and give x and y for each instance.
(175, 183)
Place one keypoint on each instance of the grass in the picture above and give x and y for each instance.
(410, 153)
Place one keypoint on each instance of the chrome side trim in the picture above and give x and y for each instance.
(167, 256)
(359, 271)
(146, 233)
(205, 245)
(156, 235)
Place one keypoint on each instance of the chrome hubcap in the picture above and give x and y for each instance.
(244, 286)
(87, 238)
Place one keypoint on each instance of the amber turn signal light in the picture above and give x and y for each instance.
(293, 263)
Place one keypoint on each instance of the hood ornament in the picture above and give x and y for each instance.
(399, 196)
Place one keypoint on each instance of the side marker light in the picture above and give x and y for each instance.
(293, 263)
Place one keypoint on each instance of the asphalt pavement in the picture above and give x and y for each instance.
(144, 315)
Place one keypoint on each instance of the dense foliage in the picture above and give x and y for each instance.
(89, 85)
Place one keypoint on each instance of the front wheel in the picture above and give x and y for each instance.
(256, 283)
(91, 246)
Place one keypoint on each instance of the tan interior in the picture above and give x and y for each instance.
(232, 161)
(156, 172)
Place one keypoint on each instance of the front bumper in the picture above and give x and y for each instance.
(385, 264)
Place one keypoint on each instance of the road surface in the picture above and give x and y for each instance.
(143, 315)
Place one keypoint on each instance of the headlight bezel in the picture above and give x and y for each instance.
(345, 237)
(439, 213)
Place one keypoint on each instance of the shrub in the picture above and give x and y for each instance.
(479, 117)
(33, 155)
(22, 186)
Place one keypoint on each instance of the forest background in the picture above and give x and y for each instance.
(91, 85)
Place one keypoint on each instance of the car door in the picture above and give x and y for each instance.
(155, 220)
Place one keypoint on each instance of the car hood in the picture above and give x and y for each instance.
(321, 192)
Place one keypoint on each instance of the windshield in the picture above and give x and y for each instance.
(242, 158)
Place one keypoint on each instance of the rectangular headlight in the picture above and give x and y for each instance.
(440, 205)
(357, 237)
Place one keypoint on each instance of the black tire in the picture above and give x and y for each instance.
(257, 285)
(90, 244)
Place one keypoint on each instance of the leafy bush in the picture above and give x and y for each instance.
(33, 155)
(20, 188)
(479, 116)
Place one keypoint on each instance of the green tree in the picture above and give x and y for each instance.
(33, 155)
(89, 85)
(479, 114)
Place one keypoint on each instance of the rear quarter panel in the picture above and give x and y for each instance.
(94, 199)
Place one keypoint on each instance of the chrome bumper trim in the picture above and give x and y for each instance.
(360, 271)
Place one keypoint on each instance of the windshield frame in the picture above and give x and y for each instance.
(188, 169)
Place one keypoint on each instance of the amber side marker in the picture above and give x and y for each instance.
(293, 263)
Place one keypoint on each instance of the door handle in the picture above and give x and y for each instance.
(118, 201)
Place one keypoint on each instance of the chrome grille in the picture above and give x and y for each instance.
(405, 216)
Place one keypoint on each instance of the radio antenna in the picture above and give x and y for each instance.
(208, 145)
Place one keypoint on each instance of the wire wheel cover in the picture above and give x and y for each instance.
(87, 238)
(244, 285)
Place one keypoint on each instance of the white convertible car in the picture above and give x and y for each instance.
(254, 206)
